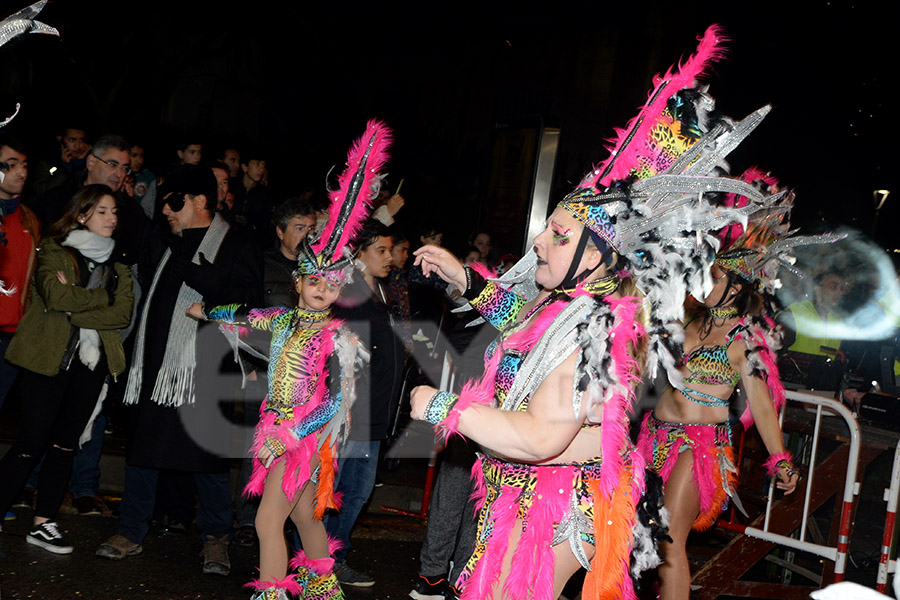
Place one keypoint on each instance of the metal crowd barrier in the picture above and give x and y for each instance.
(837, 553)
(887, 565)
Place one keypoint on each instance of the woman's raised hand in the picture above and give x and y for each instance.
(434, 259)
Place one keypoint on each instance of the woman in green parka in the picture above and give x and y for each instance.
(66, 343)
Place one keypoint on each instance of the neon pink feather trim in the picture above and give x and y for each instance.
(485, 271)
(624, 158)
(533, 562)
(298, 453)
(620, 401)
(504, 510)
(481, 391)
(377, 157)
(755, 338)
(729, 234)
(771, 463)
(288, 584)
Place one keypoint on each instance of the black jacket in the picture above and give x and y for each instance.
(378, 389)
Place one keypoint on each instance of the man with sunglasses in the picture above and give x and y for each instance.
(175, 384)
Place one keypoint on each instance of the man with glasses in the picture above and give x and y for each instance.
(107, 163)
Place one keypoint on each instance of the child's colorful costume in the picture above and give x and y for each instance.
(312, 360)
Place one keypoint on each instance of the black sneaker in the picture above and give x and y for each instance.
(47, 536)
(349, 576)
(429, 588)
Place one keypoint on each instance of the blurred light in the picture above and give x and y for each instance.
(880, 196)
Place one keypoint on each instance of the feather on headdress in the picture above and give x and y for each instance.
(329, 255)
(765, 246)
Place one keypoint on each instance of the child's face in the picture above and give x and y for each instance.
(473, 256)
(317, 293)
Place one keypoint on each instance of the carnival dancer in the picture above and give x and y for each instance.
(311, 388)
(729, 340)
(551, 410)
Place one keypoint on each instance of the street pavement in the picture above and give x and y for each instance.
(384, 545)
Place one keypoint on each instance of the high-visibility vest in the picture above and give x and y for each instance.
(805, 314)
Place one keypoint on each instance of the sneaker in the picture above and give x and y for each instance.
(47, 536)
(245, 536)
(429, 588)
(118, 547)
(25, 499)
(349, 576)
(68, 507)
(215, 555)
(87, 506)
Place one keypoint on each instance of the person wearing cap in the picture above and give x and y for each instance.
(171, 381)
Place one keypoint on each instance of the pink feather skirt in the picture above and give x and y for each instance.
(661, 442)
(538, 500)
(297, 456)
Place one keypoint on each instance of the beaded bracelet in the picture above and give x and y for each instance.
(780, 460)
(439, 406)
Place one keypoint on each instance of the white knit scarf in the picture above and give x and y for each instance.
(97, 249)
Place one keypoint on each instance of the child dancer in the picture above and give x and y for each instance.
(311, 388)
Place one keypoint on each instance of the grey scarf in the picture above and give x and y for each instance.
(175, 381)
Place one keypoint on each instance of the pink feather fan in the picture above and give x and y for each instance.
(631, 143)
(357, 186)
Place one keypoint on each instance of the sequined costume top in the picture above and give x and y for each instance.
(293, 380)
(710, 365)
(303, 398)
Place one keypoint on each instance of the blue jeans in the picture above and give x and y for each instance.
(214, 514)
(86, 470)
(357, 467)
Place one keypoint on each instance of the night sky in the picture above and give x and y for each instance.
(299, 79)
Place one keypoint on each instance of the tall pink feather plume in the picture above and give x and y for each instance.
(623, 151)
(531, 572)
(377, 157)
(503, 515)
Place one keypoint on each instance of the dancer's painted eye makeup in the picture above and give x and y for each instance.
(314, 280)
(561, 235)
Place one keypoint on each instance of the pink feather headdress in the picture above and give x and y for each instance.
(653, 139)
(329, 255)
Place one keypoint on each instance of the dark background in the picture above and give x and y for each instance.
(300, 79)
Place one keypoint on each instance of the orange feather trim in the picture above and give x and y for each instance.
(325, 497)
(613, 520)
(707, 518)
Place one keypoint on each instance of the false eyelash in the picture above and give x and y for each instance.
(560, 240)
